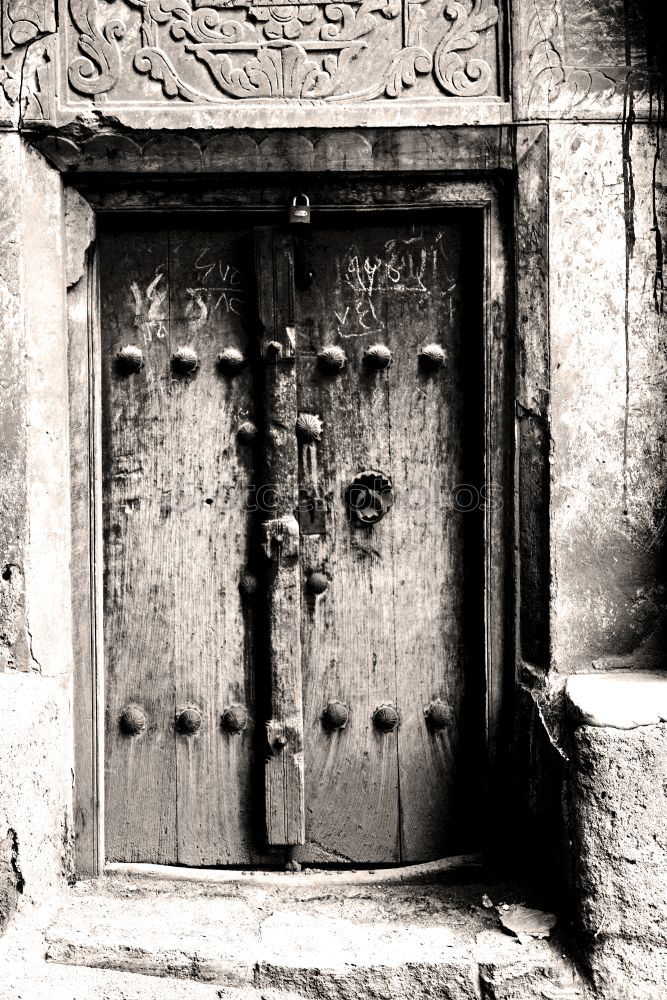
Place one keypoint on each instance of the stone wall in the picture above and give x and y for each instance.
(607, 211)
(35, 643)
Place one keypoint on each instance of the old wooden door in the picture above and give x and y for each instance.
(293, 426)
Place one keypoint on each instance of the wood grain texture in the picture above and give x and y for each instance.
(209, 276)
(436, 462)
(139, 541)
(283, 773)
(401, 620)
(80, 314)
(391, 625)
(348, 635)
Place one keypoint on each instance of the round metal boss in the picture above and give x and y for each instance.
(248, 584)
(317, 583)
(432, 357)
(335, 715)
(234, 719)
(385, 718)
(377, 357)
(438, 714)
(331, 360)
(247, 431)
(309, 427)
(129, 359)
(132, 721)
(185, 360)
(231, 361)
(189, 721)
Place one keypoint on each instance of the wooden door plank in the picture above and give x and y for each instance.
(437, 504)
(81, 317)
(140, 773)
(212, 469)
(283, 775)
(348, 631)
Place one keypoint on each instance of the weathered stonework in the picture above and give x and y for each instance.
(578, 60)
(618, 814)
(608, 406)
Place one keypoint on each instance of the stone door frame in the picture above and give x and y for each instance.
(501, 171)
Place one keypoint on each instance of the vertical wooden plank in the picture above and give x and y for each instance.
(348, 631)
(80, 315)
(209, 274)
(499, 515)
(437, 463)
(283, 776)
(138, 476)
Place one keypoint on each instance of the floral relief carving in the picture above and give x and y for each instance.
(458, 74)
(98, 68)
(356, 50)
(554, 86)
(26, 36)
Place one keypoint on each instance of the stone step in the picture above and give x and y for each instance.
(316, 938)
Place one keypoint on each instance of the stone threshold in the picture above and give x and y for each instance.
(294, 937)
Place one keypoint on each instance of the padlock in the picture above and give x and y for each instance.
(300, 213)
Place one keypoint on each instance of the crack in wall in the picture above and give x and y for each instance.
(630, 238)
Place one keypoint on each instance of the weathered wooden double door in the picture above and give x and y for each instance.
(293, 422)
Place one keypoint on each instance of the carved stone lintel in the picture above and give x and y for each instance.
(355, 51)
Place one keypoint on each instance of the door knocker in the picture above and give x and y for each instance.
(369, 496)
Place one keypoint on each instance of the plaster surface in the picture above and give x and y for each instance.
(609, 408)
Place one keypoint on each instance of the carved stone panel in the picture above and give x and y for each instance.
(222, 53)
(577, 59)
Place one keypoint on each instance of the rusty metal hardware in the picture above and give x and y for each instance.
(432, 357)
(309, 427)
(281, 742)
(335, 715)
(377, 357)
(132, 720)
(438, 714)
(331, 360)
(129, 359)
(369, 497)
(234, 719)
(184, 360)
(300, 213)
(311, 514)
(248, 585)
(231, 361)
(385, 718)
(317, 583)
(188, 721)
(247, 431)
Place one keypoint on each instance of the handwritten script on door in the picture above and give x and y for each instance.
(406, 267)
(217, 51)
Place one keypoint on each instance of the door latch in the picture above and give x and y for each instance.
(311, 514)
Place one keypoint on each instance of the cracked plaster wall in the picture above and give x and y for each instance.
(609, 396)
(35, 614)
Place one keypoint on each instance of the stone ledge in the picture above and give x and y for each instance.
(386, 941)
(621, 700)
